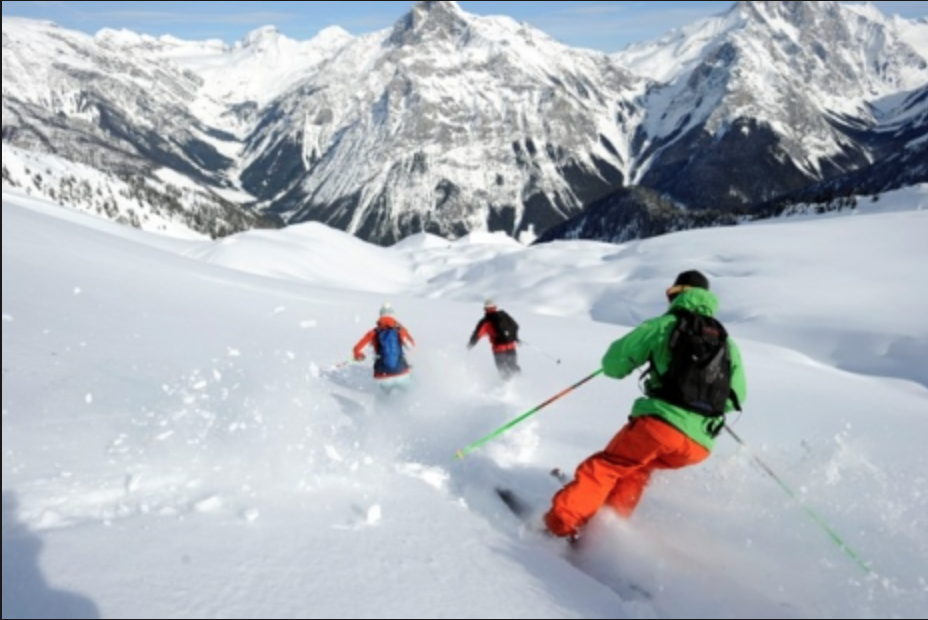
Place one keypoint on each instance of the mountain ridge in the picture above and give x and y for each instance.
(449, 123)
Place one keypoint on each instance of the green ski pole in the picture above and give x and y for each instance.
(464, 451)
(811, 513)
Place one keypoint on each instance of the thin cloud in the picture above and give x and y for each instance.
(170, 18)
(592, 10)
(56, 8)
(52, 5)
(571, 24)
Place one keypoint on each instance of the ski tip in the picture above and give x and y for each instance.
(515, 504)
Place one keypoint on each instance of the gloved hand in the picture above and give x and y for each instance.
(359, 357)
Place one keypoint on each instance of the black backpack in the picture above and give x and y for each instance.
(699, 376)
(507, 330)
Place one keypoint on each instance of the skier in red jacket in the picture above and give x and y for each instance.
(503, 333)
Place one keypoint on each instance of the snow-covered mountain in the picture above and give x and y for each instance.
(451, 123)
(254, 70)
(679, 51)
(71, 95)
(768, 98)
(447, 123)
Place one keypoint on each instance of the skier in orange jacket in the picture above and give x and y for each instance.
(389, 340)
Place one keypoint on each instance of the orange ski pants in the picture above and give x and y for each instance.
(618, 475)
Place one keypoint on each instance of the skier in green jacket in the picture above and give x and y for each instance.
(672, 426)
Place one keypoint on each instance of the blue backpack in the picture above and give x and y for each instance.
(390, 358)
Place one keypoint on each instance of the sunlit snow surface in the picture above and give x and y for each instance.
(180, 438)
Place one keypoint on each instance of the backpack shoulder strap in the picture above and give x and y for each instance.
(674, 335)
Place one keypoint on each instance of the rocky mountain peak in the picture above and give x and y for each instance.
(432, 20)
(437, 6)
(260, 37)
(797, 13)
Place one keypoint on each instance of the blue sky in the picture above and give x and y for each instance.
(606, 26)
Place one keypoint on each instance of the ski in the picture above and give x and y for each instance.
(517, 505)
(573, 552)
(520, 506)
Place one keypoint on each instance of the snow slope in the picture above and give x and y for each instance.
(179, 439)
